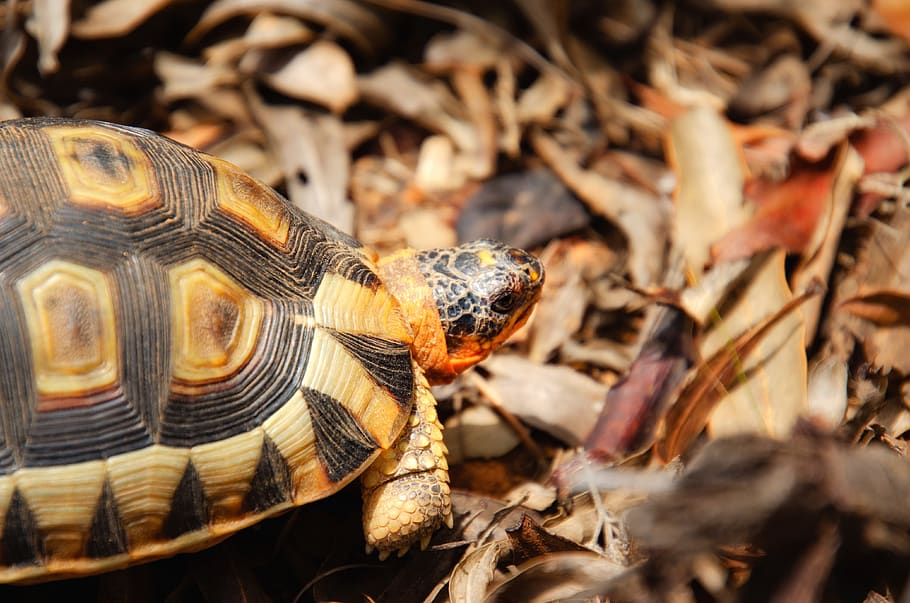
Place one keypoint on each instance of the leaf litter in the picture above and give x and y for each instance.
(711, 401)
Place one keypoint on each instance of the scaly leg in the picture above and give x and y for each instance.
(406, 490)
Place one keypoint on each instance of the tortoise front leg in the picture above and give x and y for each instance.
(406, 490)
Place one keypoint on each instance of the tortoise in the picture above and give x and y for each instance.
(187, 353)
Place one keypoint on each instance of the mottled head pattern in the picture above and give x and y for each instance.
(484, 291)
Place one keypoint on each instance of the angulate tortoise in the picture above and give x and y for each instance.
(185, 354)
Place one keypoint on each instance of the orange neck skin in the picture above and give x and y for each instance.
(401, 274)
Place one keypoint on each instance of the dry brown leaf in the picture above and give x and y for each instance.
(312, 147)
(826, 396)
(49, 23)
(349, 19)
(540, 102)
(474, 573)
(709, 193)
(477, 432)
(555, 399)
(322, 73)
(265, 31)
(560, 312)
(641, 216)
(185, 78)
(460, 49)
(114, 18)
(398, 88)
(772, 395)
(821, 252)
(870, 304)
(566, 576)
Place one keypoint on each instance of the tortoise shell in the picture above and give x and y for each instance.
(184, 352)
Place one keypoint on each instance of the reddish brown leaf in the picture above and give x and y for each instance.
(787, 215)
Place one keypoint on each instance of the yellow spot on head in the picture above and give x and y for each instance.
(485, 258)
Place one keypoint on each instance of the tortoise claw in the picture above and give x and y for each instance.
(425, 542)
(403, 550)
(449, 521)
(383, 555)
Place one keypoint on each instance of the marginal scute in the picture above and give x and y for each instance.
(252, 203)
(143, 483)
(271, 483)
(190, 509)
(291, 430)
(226, 469)
(106, 536)
(63, 500)
(215, 322)
(22, 543)
(69, 311)
(103, 169)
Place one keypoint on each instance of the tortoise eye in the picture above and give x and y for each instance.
(504, 303)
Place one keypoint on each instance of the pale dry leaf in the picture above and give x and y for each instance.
(478, 161)
(115, 18)
(555, 399)
(322, 73)
(826, 397)
(474, 573)
(878, 284)
(700, 300)
(397, 88)
(817, 139)
(312, 147)
(642, 216)
(49, 24)
(185, 78)
(347, 18)
(477, 432)
(771, 395)
(562, 306)
(265, 31)
(709, 194)
(435, 166)
(820, 255)
(460, 49)
(427, 228)
(540, 102)
(247, 152)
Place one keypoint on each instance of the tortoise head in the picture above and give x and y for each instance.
(484, 291)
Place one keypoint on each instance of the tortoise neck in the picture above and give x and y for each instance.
(402, 276)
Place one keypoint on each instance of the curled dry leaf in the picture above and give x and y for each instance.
(826, 398)
(265, 31)
(641, 216)
(397, 88)
(113, 18)
(560, 312)
(566, 576)
(49, 23)
(772, 393)
(322, 73)
(478, 432)
(555, 399)
(871, 303)
(701, 150)
(461, 49)
(185, 78)
(310, 146)
(349, 19)
(783, 85)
